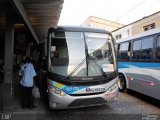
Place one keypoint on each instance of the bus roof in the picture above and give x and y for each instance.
(146, 33)
(78, 29)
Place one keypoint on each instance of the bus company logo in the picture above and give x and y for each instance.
(72, 88)
(95, 89)
(88, 89)
(69, 88)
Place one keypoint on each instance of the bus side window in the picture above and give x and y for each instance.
(137, 50)
(123, 52)
(158, 48)
(147, 46)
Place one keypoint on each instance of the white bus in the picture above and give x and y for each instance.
(82, 67)
(139, 63)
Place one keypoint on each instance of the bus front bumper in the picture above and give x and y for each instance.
(69, 101)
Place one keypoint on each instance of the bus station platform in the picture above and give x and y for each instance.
(12, 108)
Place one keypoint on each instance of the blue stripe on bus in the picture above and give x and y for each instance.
(137, 64)
(68, 89)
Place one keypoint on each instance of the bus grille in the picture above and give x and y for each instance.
(86, 94)
(87, 102)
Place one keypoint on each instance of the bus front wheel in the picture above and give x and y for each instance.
(122, 83)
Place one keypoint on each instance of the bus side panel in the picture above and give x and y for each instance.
(143, 77)
(129, 75)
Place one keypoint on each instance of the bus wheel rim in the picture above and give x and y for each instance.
(121, 83)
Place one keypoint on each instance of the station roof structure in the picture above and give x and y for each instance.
(37, 15)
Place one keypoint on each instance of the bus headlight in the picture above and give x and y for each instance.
(56, 91)
(113, 87)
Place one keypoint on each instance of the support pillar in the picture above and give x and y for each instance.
(8, 61)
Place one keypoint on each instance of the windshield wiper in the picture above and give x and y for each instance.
(79, 65)
(89, 58)
(100, 68)
(87, 62)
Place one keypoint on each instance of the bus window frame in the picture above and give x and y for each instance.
(132, 59)
(152, 58)
(126, 51)
(141, 50)
(157, 36)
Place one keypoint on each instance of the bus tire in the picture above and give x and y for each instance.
(122, 83)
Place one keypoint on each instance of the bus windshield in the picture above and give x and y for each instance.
(81, 54)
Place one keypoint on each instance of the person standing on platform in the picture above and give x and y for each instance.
(27, 74)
